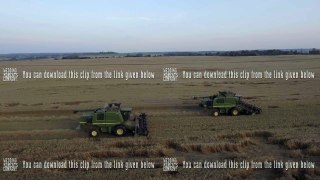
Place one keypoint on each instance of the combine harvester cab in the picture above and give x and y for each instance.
(226, 102)
(113, 119)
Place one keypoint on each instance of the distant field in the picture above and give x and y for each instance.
(37, 123)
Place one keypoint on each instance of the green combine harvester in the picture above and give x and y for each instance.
(226, 102)
(113, 119)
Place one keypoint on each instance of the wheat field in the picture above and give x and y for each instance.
(37, 122)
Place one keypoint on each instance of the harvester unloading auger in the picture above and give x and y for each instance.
(226, 102)
(113, 119)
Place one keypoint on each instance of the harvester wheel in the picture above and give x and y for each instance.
(234, 112)
(215, 112)
(119, 131)
(93, 132)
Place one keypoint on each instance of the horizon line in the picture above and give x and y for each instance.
(128, 52)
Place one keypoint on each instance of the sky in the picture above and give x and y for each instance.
(38, 26)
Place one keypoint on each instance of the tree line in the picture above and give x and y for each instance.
(271, 52)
